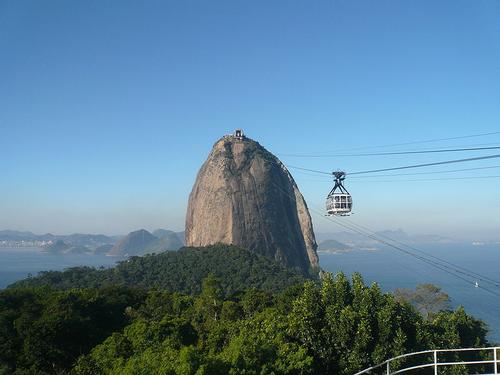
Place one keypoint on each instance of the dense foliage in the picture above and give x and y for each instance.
(337, 327)
(179, 271)
(43, 331)
(428, 299)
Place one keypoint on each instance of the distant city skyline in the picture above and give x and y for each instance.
(110, 109)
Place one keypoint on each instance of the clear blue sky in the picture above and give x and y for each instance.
(108, 108)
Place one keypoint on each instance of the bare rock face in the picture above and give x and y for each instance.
(243, 195)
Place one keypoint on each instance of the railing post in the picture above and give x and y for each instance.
(495, 360)
(389, 368)
(435, 363)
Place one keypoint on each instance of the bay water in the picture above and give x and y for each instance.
(19, 263)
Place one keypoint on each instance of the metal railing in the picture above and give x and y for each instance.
(388, 366)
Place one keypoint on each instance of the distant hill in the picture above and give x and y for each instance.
(91, 241)
(182, 237)
(103, 249)
(78, 250)
(57, 247)
(142, 242)
(162, 233)
(171, 243)
(333, 246)
(181, 271)
(139, 242)
(11, 235)
(61, 247)
(167, 240)
(132, 244)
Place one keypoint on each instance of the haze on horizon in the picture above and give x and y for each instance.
(109, 110)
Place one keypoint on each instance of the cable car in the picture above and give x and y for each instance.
(339, 201)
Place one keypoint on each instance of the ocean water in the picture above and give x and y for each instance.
(18, 263)
(392, 269)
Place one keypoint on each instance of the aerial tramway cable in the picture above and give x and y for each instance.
(395, 152)
(417, 142)
(488, 177)
(420, 173)
(468, 276)
(403, 167)
(459, 272)
(433, 172)
(448, 270)
(428, 164)
(454, 266)
(308, 170)
(439, 179)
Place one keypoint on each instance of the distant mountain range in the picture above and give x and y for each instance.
(135, 243)
(358, 241)
(76, 239)
(142, 242)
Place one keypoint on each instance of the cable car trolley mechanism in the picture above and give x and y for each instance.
(339, 201)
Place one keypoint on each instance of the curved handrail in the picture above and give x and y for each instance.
(435, 363)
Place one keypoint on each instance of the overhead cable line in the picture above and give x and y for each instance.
(433, 172)
(345, 152)
(458, 268)
(413, 174)
(438, 179)
(402, 167)
(423, 259)
(434, 264)
(397, 152)
(308, 170)
(418, 179)
(428, 164)
(435, 140)
(420, 142)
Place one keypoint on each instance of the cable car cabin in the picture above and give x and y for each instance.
(339, 201)
(339, 204)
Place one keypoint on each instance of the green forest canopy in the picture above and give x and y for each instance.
(179, 271)
(104, 324)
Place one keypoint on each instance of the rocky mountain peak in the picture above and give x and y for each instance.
(243, 195)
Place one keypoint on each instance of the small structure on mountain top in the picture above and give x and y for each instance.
(238, 134)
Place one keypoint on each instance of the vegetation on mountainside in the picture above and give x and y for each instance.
(428, 299)
(44, 331)
(338, 327)
(181, 271)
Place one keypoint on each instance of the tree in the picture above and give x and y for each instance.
(337, 327)
(209, 303)
(428, 299)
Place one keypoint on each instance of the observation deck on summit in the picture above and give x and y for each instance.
(238, 134)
